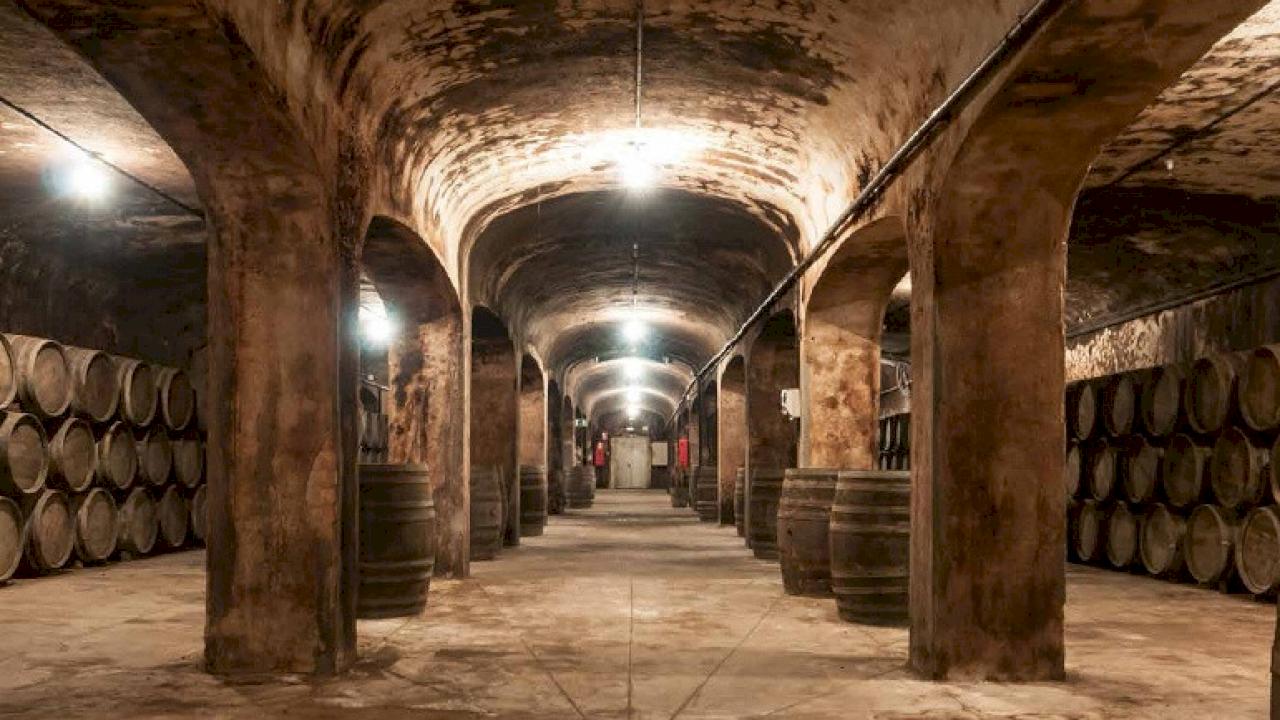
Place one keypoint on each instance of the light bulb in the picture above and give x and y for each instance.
(86, 179)
(634, 331)
(377, 328)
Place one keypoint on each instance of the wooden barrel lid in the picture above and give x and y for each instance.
(1071, 471)
(1236, 470)
(1118, 405)
(1210, 392)
(10, 538)
(199, 513)
(1082, 410)
(50, 532)
(188, 461)
(1091, 531)
(177, 399)
(1258, 558)
(1161, 399)
(94, 383)
(117, 457)
(1209, 543)
(1259, 389)
(97, 525)
(1161, 546)
(73, 455)
(139, 524)
(138, 394)
(1142, 471)
(1102, 470)
(155, 456)
(1184, 470)
(1122, 536)
(24, 455)
(174, 517)
(44, 378)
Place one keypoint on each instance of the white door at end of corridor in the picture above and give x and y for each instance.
(629, 462)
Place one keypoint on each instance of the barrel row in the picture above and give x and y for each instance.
(1235, 470)
(1201, 398)
(51, 381)
(894, 442)
(52, 529)
(1211, 545)
(73, 455)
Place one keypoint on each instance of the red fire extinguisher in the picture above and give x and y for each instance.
(682, 452)
(599, 456)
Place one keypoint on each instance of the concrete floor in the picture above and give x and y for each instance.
(631, 610)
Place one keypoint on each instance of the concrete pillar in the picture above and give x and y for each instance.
(494, 416)
(426, 369)
(731, 427)
(283, 361)
(772, 365)
(840, 347)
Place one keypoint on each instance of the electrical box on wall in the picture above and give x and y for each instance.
(791, 403)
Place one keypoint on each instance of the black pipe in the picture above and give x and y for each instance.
(1013, 41)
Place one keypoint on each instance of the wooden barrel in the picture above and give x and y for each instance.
(870, 546)
(1259, 389)
(1210, 398)
(555, 492)
(10, 538)
(533, 500)
(739, 501)
(73, 456)
(1142, 462)
(200, 513)
(97, 527)
(706, 493)
(139, 524)
(1161, 399)
(188, 461)
(1184, 471)
(762, 511)
(138, 395)
(1122, 536)
(804, 522)
(1210, 543)
(1161, 542)
(117, 457)
(582, 486)
(486, 512)
(175, 398)
(1258, 556)
(1102, 459)
(1082, 410)
(1118, 405)
(8, 387)
(1090, 533)
(155, 456)
(397, 540)
(511, 509)
(1071, 471)
(50, 532)
(24, 455)
(174, 517)
(44, 377)
(1238, 470)
(95, 388)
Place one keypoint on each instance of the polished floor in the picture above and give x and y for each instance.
(629, 610)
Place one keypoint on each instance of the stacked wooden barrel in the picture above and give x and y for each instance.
(1173, 471)
(763, 496)
(533, 500)
(487, 500)
(894, 444)
(556, 497)
(582, 486)
(99, 455)
(804, 519)
(870, 545)
(706, 492)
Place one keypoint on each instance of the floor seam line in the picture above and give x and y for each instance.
(698, 690)
(529, 649)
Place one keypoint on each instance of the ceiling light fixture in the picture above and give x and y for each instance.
(633, 369)
(377, 328)
(633, 396)
(634, 331)
(86, 179)
(636, 167)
